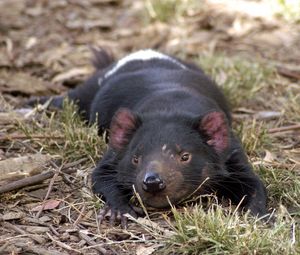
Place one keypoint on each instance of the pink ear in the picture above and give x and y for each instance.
(215, 127)
(123, 124)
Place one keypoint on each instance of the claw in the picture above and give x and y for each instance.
(115, 216)
(103, 213)
(124, 222)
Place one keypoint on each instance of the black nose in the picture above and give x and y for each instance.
(153, 183)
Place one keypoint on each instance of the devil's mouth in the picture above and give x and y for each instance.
(171, 195)
(162, 199)
(159, 201)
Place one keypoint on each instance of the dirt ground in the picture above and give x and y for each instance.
(45, 49)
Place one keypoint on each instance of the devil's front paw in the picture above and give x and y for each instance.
(116, 215)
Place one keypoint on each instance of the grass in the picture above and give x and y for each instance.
(170, 10)
(239, 78)
(292, 109)
(254, 137)
(283, 183)
(65, 134)
(217, 231)
(173, 10)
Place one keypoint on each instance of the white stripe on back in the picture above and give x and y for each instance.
(143, 55)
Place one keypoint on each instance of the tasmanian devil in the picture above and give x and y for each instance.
(169, 132)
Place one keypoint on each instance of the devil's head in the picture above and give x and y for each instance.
(168, 157)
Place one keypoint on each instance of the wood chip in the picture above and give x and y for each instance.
(89, 24)
(146, 250)
(10, 118)
(13, 216)
(20, 167)
(36, 229)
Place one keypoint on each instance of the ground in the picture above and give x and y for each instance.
(251, 49)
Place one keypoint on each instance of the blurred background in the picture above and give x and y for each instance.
(45, 45)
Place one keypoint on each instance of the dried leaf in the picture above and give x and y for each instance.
(48, 205)
(269, 157)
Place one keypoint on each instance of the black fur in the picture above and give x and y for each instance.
(166, 104)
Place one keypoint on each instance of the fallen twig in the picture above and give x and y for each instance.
(37, 249)
(80, 216)
(38, 178)
(49, 189)
(283, 129)
(30, 181)
(288, 73)
(91, 242)
(61, 244)
(15, 228)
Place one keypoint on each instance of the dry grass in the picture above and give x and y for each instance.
(217, 231)
(65, 134)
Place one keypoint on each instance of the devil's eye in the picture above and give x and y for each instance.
(185, 157)
(135, 160)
